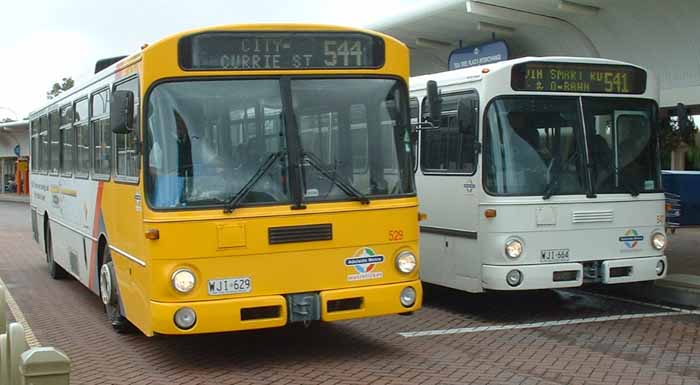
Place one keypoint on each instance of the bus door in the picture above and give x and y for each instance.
(123, 204)
(449, 192)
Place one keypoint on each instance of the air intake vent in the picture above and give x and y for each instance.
(344, 304)
(104, 63)
(262, 312)
(307, 233)
(592, 216)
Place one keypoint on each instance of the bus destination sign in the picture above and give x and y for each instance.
(280, 51)
(578, 77)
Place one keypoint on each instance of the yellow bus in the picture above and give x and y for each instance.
(236, 177)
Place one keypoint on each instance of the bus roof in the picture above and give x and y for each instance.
(466, 75)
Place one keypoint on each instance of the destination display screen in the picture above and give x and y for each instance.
(280, 51)
(578, 77)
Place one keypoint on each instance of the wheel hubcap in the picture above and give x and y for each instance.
(105, 285)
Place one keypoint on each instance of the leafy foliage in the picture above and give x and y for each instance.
(670, 138)
(56, 89)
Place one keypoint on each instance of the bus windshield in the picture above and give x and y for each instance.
(354, 130)
(535, 146)
(209, 138)
(623, 145)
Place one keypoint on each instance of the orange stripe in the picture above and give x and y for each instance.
(95, 234)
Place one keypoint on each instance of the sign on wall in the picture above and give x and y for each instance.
(477, 55)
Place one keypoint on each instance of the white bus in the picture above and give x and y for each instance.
(541, 173)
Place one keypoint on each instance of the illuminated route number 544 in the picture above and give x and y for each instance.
(340, 53)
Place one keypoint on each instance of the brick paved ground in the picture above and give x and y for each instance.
(684, 252)
(656, 350)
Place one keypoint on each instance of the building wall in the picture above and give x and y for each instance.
(8, 141)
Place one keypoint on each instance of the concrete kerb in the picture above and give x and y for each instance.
(21, 364)
(5, 197)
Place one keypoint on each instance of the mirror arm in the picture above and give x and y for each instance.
(426, 125)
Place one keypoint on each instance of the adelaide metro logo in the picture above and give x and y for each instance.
(364, 262)
(631, 238)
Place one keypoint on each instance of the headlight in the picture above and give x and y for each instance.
(660, 268)
(658, 241)
(406, 262)
(408, 296)
(185, 318)
(514, 278)
(514, 248)
(184, 280)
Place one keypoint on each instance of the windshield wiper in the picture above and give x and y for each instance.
(233, 203)
(553, 185)
(347, 188)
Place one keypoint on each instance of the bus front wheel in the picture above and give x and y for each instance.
(110, 295)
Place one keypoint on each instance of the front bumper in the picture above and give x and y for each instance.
(235, 314)
(543, 276)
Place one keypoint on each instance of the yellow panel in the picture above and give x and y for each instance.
(231, 235)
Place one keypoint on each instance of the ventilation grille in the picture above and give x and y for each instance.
(592, 216)
(262, 312)
(307, 233)
(344, 304)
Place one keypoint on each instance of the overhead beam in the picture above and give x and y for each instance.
(515, 16)
(579, 9)
(430, 43)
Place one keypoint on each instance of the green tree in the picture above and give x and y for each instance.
(7, 120)
(670, 138)
(56, 89)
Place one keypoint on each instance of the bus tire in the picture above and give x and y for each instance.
(109, 294)
(55, 270)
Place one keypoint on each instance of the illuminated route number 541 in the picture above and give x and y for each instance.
(342, 53)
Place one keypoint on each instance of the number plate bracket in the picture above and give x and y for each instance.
(304, 307)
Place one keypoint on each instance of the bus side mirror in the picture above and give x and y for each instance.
(434, 102)
(121, 108)
(466, 116)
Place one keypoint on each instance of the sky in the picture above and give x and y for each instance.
(42, 42)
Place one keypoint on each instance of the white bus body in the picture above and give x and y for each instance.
(592, 229)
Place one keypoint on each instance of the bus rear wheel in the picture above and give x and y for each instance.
(110, 295)
(55, 270)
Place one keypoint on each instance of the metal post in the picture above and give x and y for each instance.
(17, 346)
(44, 366)
(4, 360)
(3, 310)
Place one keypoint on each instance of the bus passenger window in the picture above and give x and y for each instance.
(101, 134)
(80, 125)
(55, 142)
(449, 149)
(67, 141)
(35, 142)
(128, 161)
(44, 144)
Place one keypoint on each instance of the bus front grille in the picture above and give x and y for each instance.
(305, 233)
(592, 216)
